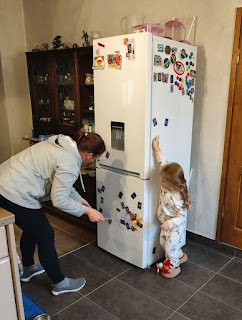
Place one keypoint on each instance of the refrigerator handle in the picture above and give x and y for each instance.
(117, 170)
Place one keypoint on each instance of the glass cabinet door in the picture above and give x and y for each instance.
(41, 79)
(65, 74)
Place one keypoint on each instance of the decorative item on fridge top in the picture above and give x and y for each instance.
(128, 22)
(194, 22)
(175, 30)
(85, 37)
(156, 29)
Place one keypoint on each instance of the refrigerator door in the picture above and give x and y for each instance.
(118, 197)
(173, 90)
(122, 100)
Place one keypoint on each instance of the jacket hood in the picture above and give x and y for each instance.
(66, 143)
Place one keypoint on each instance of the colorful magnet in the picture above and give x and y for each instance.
(98, 62)
(191, 54)
(183, 91)
(127, 225)
(192, 90)
(132, 228)
(166, 122)
(172, 88)
(122, 221)
(167, 49)
(166, 63)
(155, 76)
(157, 60)
(103, 189)
(154, 122)
(101, 44)
(160, 47)
(114, 61)
(159, 76)
(179, 67)
(193, 73)
(125, 41)
(120, 194)
(133, 216)
(133, 195)
(102, 200)
(139, 205)
(171, 78)
(127, 209)
(174, 50)
(183, 53)
(173, 59)
(139, 224)
(107, 154)
(130, 53)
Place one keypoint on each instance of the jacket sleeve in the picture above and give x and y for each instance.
(160, 158)
(63, 194)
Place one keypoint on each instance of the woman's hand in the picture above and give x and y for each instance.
(94, 215)
(155, 144)
(83, 201)
(164, 226)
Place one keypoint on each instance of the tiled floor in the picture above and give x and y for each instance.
(209, 287)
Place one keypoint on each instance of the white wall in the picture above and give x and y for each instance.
(15, 120)
(44, 19)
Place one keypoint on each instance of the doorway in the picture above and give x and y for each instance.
(229, 224)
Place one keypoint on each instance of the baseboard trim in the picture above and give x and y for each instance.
(215, 245)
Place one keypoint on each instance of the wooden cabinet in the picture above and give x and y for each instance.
(61, 101)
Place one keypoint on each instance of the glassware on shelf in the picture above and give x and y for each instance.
(89, 79)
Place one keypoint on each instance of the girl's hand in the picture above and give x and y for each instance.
(164, 226)
(94, 215)
(155, 144)
(83, 201)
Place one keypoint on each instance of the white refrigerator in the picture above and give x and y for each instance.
(144, 86)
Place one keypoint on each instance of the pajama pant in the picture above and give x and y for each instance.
(36, 231)
(172, 241)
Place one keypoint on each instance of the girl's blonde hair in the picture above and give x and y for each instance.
(175, 176)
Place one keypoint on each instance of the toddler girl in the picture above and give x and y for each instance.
(174, 202)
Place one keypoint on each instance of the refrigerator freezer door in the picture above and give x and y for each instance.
(123, 97)
(118, 197)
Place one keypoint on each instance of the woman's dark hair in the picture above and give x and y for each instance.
(89, 142)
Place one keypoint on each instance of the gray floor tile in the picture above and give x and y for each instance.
(170, 292)
(39, 289)
(84, 309)
(194, 275)
(73, 267)
(127, 303)
(177, 316)
(205, 258)
(233, 270)
(202, 307)
(226, 290)
(102, 259)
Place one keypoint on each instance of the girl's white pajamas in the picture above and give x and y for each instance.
(170, 209)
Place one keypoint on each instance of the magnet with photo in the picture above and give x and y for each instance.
(193, 73)
(160, 47)
(167, 49)
(166, 63)
(174, 50)
(159, 76)
(173, 58)
(172, 88)
(154, 122)
(157, 60)
(166, 122)
(155, 76)
(98, 62)
(139, 205)
(130, 53)
(179, 67)
(183, 54)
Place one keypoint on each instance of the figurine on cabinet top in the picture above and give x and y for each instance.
(85, 37)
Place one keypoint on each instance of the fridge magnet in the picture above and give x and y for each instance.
(99, 190)
(122, 205)
(173, 59)
(160, 47)
(139, 224)
(100, 210)
(103, 188)
(172, 88)
(118, 209)
(120, 194)
(193, 73)
(166, 63)
(154, 122)
(171, 78)
(127, 209)
(167, 49)
(125, 41)
(98, 62)
(114, 61)
(183, 91)
(102, 200)
(122, 221)
(133, 195)
(183, 53)
(132, 228)
(107, 154)
(127, 226)
(179, 68)
(174, 50)
(157, 60)
(98, 52)
(166, 122)
(154, 250)
(110, 221)
(130, 53)
(133, 216)
(101, 44)
(192, 90)
(139, 205)
(165, 77)
(155, 76)
(190, 56)
(159, 76)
